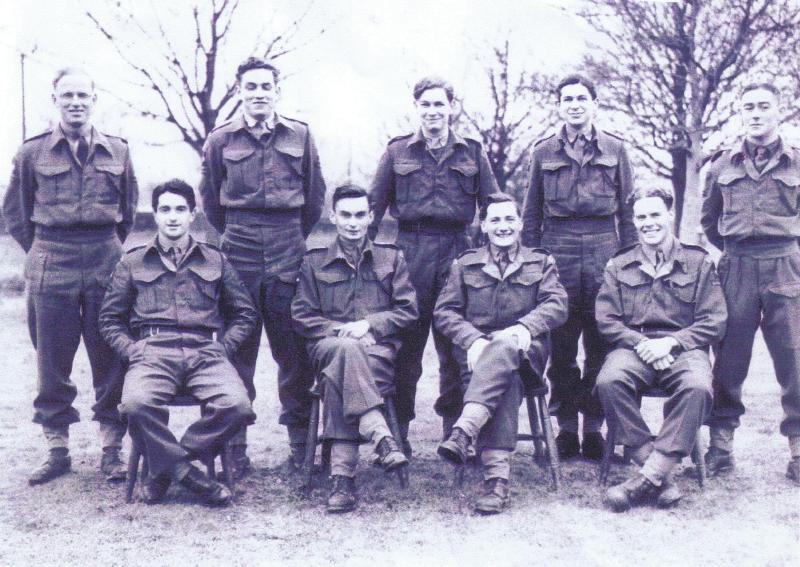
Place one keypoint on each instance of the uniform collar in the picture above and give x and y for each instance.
(740, 152)
(153, 247)
(336, 252)
(96, 138)
(675, 255)
(251, 122)
(241, 122)
(597, 138)
(483, 257)
(453, 139)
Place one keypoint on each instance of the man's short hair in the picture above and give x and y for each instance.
(497, 198)
(576, 79)
(433, 82)
(64, 71)
(177, 186)
(349, 191)
(769, 87)
(256, 63)
(645, 192)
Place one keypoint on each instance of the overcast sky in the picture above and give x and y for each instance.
(351, 84)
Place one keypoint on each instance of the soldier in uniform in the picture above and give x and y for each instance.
(353, 298)
(431, 181)
(499, 306)
(166, 301)
(576, 207)
(660, 307)
(70, 203)
(262, 189)
(751, 211)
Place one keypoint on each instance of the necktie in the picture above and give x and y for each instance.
(83, 151)
(260, 131)
(659, 259)
(503, 261)
(761, 157)
(175, 255)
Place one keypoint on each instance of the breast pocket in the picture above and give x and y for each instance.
(634, 291)
(378, 287)
(466, 177)
(603, 184)
(733, 196)
(53, 183)
(154, 295)
(554, 180)
(335, 292)
(406, 173)
(480, 297)
(206, 282)
(782, 198)
(242, 174)
(681, 289)
(291, 174)
(106, 184)
(523, 290)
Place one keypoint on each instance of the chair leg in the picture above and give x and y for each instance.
(133, 471)
(311, 446)
(699, 462)
(226, 460)
(394, 428)
(539, 453)
(458, 475)
(550, 441)
(608, 452)
(209, 463)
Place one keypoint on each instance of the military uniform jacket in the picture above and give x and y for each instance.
(684, 301)
(597, 185)
(415, 185)
(203, 293)
(49, 187)
(739, 202)
(477, 301)
(240, 172)
(332, 291)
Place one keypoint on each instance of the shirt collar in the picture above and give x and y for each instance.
(453, 138)
(741, 150)
(497, 252)
(154, 246)
(241, 122)
(251, 122)
(94, 137)
(336, 252)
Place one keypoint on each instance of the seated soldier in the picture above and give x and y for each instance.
(166, 300)
(498, 307)
(660, 308)
(352, 298)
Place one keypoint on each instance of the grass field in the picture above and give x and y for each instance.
(751, 517)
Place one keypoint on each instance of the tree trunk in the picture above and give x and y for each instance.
(690, 230)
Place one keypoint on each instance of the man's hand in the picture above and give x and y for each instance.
(518, 333)
(650, 350)
(353, 330)
(474, 352)
(664, 363)
(368, 339)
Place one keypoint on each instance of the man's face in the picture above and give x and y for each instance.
(502, 224)
(74, 97)
(761, 115)
(173, 216)
(653, 221)
(434, 111)
(258, 93)
(351, 217)
(576, 107)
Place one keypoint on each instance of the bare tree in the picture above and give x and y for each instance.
(669, 70)
(179, 65)
(520, 113)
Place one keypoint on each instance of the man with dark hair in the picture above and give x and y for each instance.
(498, 307)
(576, 207)
(353, 298)
(751, 211)
(166, 301)
(263, 190)
(660, 308)
(70, 203)
(431, 181)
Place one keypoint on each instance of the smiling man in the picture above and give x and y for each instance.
(262, 189)
(499, 306)
(576, 207)
(660, 308)
(431, 181)
(353, 299)
(167, 300)
(70, 203)
(751, 211)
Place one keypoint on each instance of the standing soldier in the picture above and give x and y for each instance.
(262, 189)
(70, 204)
(576, 208)
(751, 211)
(431, 181)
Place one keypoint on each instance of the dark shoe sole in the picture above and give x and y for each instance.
(116, 477)
(42, 480)
(489, 511)
(448, 454)
(392, 464)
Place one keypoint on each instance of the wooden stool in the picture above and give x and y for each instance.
(137, 454)
(696, 455)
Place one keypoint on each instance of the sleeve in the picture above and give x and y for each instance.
(712, 209)
(314, 187)
(116, 309)
(236, 306)
(448, 315)
(627, 231)
(404, 303)
(213, 172)
(551, 303)
(381, 191)
(533, 209)
(307, 316)
(18, 202)
(710, 311)
(609, 312)
(131, 202)
(486, 178)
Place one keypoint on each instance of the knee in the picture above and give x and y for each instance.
(505, 346)
(134, 406)
(343, 346)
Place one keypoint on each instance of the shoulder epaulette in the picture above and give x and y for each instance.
(544, 251)
(624, 250)
(613, 135)
(540, 140)
(396, 138)
(695, 247)
(294, 120)
(208, 244)
(39, 135)
(391, 245)
(226, 123)
(467, 252)
(316, 248)
(137, 248)
(711, 158)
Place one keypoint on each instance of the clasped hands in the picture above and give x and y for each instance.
(657, 352)
(359, 330)
(516, 333)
